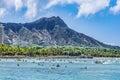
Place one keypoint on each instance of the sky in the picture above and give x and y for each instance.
(99, 19)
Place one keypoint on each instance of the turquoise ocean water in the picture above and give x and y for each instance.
(59, 69)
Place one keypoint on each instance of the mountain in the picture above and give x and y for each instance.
(47, 32)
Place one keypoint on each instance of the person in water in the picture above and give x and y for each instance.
(18, 65)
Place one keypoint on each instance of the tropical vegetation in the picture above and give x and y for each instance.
(33, 51)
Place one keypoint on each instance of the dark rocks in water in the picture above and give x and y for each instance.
(98, 62)
(84, 68)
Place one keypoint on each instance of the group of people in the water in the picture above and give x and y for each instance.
(39, 62)
(54, 66)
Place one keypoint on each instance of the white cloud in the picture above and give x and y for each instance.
(2, 12)
(86, 7)
(31, 9)
(55, 2)
(92, 7)
(7, 3)
(31, 6)
(18, 4)
(115, 9)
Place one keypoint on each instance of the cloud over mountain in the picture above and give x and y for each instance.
(86, 7)
(32, 7)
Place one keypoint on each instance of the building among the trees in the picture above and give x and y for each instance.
(1, 34)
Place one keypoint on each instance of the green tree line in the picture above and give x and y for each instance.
(57, 51)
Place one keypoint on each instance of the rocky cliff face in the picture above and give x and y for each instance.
(47, 32)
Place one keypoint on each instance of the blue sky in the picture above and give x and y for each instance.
(99, 19)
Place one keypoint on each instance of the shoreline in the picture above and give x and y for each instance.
(67, 57)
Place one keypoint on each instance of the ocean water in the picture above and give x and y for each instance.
(59, 69)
